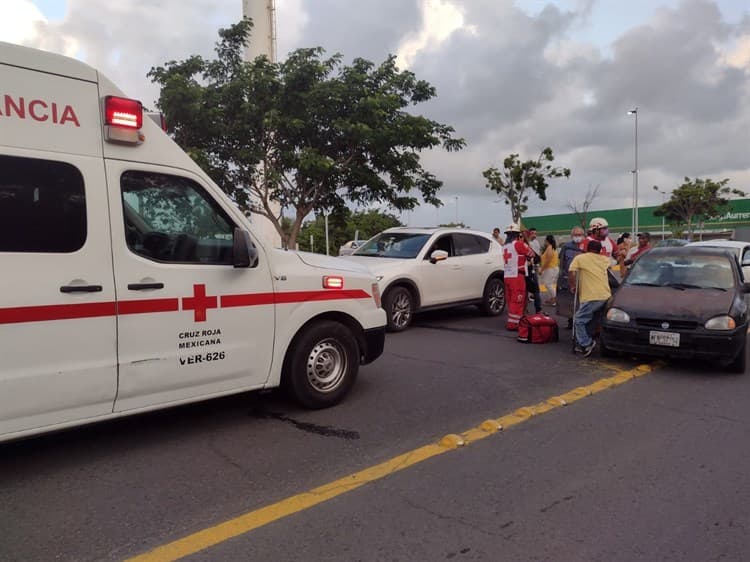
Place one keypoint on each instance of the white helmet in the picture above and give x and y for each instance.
(513, 227)
(598, 222)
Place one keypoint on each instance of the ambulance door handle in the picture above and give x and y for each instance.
(81, 289)
(145, 286)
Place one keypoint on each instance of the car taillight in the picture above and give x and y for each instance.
(376, 295)
(333, 282)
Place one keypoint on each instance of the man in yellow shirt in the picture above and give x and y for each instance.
(588, 276)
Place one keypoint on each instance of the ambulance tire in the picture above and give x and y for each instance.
(321, 365)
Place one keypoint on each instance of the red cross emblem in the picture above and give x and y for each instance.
(507, 255)
(199, 303)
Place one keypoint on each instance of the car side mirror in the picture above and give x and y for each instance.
(244, 252)
(746, 287)
(438, 255)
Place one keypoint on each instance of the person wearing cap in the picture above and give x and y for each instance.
(599, 231)
(644, 245)
(587, 276)
(517, 256)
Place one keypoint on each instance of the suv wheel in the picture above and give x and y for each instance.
(493, 300)
(399, 306)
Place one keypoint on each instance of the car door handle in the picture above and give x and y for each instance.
(81, 289)
(144, 286)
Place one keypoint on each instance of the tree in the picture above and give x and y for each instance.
(342, 227)
(582, 211)
(517, 180)
(309, 133)
(701, 199)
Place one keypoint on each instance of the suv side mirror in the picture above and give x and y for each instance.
(438, 255)
(244, 253)
(746, 287)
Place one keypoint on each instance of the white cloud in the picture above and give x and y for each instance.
(738, 56)
(440, 19)
(18, 23)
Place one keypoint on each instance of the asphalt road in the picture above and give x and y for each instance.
(656, 468)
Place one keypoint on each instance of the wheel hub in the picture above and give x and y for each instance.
(326, 366)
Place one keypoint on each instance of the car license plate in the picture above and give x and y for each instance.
(668, 339)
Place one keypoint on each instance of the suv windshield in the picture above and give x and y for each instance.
(393, 245)
(682, 271)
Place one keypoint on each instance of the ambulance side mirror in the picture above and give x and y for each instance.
(244, 253)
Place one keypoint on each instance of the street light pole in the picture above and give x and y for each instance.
(634, 112)
(663, 200)
(456, 210)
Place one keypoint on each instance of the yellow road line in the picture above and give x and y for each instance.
(211, 536)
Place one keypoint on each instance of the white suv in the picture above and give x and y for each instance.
(425, 268)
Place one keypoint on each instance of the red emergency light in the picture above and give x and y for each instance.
(333, 282)
(123, 112)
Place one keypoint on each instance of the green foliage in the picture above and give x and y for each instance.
(517, 180)
(342, 227)
(696, 201)
(309, 133)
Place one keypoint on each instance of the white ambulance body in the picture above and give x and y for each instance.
(130, 282)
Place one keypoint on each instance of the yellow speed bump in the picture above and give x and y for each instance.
(451, 441)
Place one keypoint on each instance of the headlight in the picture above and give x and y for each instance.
(618, 315)
(721, 323)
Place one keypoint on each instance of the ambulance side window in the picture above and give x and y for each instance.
(172, 219)
(42, 206)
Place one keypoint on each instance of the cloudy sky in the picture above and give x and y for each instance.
(511, 76)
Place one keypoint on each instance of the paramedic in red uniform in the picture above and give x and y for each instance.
(516, 254)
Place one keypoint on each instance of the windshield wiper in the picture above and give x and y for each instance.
(683, 286)
(645, 284)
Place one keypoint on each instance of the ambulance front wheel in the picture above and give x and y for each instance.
(322, 365)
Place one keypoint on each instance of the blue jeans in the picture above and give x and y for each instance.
(582, 319)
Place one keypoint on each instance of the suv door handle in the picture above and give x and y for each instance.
(81, 289)
(144, 286)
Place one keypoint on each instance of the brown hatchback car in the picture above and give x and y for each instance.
(681, 302)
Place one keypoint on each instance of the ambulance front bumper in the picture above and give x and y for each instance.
(374, 342)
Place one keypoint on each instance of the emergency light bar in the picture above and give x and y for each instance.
(123, 119)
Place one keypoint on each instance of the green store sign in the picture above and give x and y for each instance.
(737, 214)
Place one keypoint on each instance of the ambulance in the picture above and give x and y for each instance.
(130, 282)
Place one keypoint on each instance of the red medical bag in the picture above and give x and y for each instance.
(537, 328)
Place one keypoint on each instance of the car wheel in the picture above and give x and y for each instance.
(322, 366)
(399, 306)
(493, 300)
(740, 362)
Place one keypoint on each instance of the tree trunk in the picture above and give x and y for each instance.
(296, 227)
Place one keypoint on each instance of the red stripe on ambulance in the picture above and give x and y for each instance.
(198, 304)
(56, 312)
